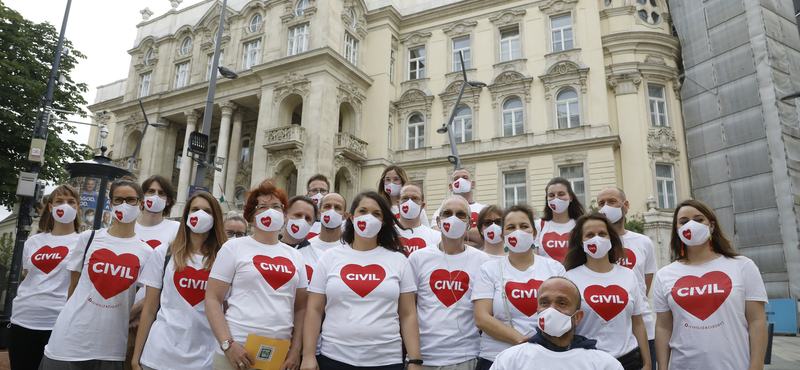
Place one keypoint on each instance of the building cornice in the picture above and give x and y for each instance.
(642, 42)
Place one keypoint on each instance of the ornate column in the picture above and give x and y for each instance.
(186, 164)
(232, 161)
(222, 146)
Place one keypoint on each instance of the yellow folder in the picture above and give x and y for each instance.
(269, 353)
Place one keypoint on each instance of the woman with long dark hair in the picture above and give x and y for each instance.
(393, 178)
(560, 213)
(365, 289)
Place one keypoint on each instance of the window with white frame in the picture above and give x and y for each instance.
(244, 153)
(416, 131)
(461, 45)
(350, 48)
(300, 7)
(514, 191)
(252, 54)
(509, 45)
(561, 31)
(389, 139)
(298, 39)
(462, 124)
(178, 159)
(210, 64)
(144, 85)
(416, 63)
(512, 117)
(567, 109)
(181, 75)
(665, 180)
(658, 105)
(148, 57)
(574, 174)
(255, 23)
(186, 46)
(353, 19)
(391, 66)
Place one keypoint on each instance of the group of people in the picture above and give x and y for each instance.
(380, 286)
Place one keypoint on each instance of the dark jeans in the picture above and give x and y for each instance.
(26, 347)
(50, 364)
(325, 363)
(483, 364)
(652, 343)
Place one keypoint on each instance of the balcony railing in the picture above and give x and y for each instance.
(124, 162)
(351, 146)
(287, 137)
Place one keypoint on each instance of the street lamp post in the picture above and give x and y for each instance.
(132, 159)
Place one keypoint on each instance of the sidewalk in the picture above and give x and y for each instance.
(785, 353)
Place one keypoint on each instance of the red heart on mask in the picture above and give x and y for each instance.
(553, 207)
(541, 323)
(266, 221)
(60, 212)
(295, 228)
(512, 241)
(702, 296)
(490, 235)
(191, 284)
(449, 286)
(47, 257)
(276, 271)
(592, 248)
(388, 191)
(405, 209)
(112, 274)
(524, 295)
(326, 219)
(316, 201)
(362, 279)
(456, 184)
(446, 226)
(149, 203)
(607, 302)
(193, 221)
(362, 225)
(687, 234)
(118, 214)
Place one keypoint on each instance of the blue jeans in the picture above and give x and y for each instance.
(483, 364)
(326, 363)
(652, 343)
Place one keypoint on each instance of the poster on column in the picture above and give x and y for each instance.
(88, 188)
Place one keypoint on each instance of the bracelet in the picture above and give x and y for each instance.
(415, 361)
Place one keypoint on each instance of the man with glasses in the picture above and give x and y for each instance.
(316, 187)
(413, 234)
(462, 183)
(299, 217)
(332, 216)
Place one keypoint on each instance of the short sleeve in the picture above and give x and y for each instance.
(319, 279)
(413, 261)
(76, 258)
(407, 283)
(660, 300)
(754, 289)
(153, 271)
(650, 266)
(636, 299)
(26, 254)
(300, 266)
(484, 284)
(560, 270)
(225, 265)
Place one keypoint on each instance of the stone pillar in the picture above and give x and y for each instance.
(658, 227)
(222, 147)
(186, 165)
(321, 124)
(232, 162)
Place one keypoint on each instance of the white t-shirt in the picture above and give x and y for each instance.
(531, 355)
(43, 293)
(709, 326)
(521, 289)
(161, 234)
(181, 336)
(474, 208)
(608, 301)
(312, 253)
(316, 228)
(418, 238)
(552, 240)
(94, 323)
(422, 216)
(447, 330)
(641, 259)
(362, 324)
(494, 257)
(264, 282)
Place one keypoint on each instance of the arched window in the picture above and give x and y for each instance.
(186, 46)
(353, 19)
(300, 7)
(255, 23)
(148, 56)
(567, 109)
(512, 117)
(244, 154)
(462, 124)
(416, 131)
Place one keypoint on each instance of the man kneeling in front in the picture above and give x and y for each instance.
(555, 345)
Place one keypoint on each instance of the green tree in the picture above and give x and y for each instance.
(27, 50)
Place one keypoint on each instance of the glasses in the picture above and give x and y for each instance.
(263, 207)
(238, 234)
(497, 221)
(404, 199)
(318, 191)
(133, 201)
(461, 215)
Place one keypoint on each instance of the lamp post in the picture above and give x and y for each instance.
(132, 159)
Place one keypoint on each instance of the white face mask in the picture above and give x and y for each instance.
(519, 241)
(298, 228)
(410, 210)
(452, 227)
(154, 203)
(558, 205)
(367, 226)
(597, 247)
(493, 234)
(392, 189)
(613, 214)
(461, 186)
(200, 222)
(555, 323)
(331, 219)
(125, 213)
(89, 219)
(64, 213)
(269, 220)
(694, 233)
(317, 198)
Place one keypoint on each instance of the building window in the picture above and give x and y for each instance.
(211, 64)
(462, 124)
(353, 19)
(391, 66)
(665, 180)
(461, 45)
(244, 155)
(575, 176)
(300, 7)
(561, 29)
(252, 54)
(509, 45)
(514, 188)
(178, 160)
(391, 123)
(144, 85)
(416, 63)
(512, 117)
(416, 131)
(350, 48)
(181, 75)
(567, 109)
(298, 39)
(255, 23)
(186, 46)
(148, 57)
(658, 105)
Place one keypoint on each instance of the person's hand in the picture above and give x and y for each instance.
(646, 362)
(238, 357)
(135, 365)
(292, 361)
(309, 363)
(133, 325)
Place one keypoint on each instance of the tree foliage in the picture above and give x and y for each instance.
(27, 50)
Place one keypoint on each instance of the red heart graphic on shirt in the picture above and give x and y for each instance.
(456, 184)
(60, 212)
(118, 214)
(309, 272)
(446, 226)
(191, 284)
(490, 235)
(553, 207)
(687, 234)
(592, 248)
(295, 228)
(413, 244)
(193, 221)
(326, 219)
(149, 203)
(266, 221)
(513, 241)
(47, 258)
(449, 286)
(607, 302)
(524, 296)
(362, 279)
(389, 191)
(311, 235)
(112, 274)
(555, 245)
(702, 296)
(276, 271)
(405, 209)
(153, 243)
(629, 260)
(362, 225)
(474, 219)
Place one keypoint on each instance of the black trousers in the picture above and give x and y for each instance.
(325, 363)
(26, 347)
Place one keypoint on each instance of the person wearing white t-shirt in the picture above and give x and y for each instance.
(463, 183)
(413, 234)
(92, 330)
(365, 289)
(612, 302)
(555, 345)
(333, 213)
(43, 292)
(317, 187)
(506, 289)
(300, 217)
(562, 209)
(639, 255)
(176, 276)
(267, 282)
(391, 182)
(710, 301)
(490, 221)
(445, 274)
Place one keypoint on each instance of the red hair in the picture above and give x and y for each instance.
(266, 187)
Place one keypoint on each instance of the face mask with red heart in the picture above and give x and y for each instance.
(613, 214)
(410, 210)
(392, 189)
(558, 205)
(125, 213)
(367, 226)
(519, 241)
(298, 228)
(694, 233)
(452, 227)
(154, 203)
(331, 219)
(597, 247)
(462, 186)
(317, 198)
(64, 213)
(269, 220)
(200, 222)
(493, 234)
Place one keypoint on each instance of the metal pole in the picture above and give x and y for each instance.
(450, 133)
(138, 143)
(199, 180)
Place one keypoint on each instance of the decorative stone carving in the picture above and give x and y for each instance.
(626, 83)
(350, 146)
(645, 12)
(662, 138)
(513, 164)
(243, 173)
(124, 162)
(654, 59)
(146, 14)
(676, 86)
(507, 17)
(340, 161)
(459, 28)
(292, 136)
(510, 83)
(275, 158)
(352, 94)
(175, 3)
(291, 83)
(652, 203)
(569, 157)
(416, 38)
(553, 7)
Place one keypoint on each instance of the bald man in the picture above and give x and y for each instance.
(332, 215)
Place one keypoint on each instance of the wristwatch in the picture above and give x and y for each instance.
(226, 345)
(416, 362)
